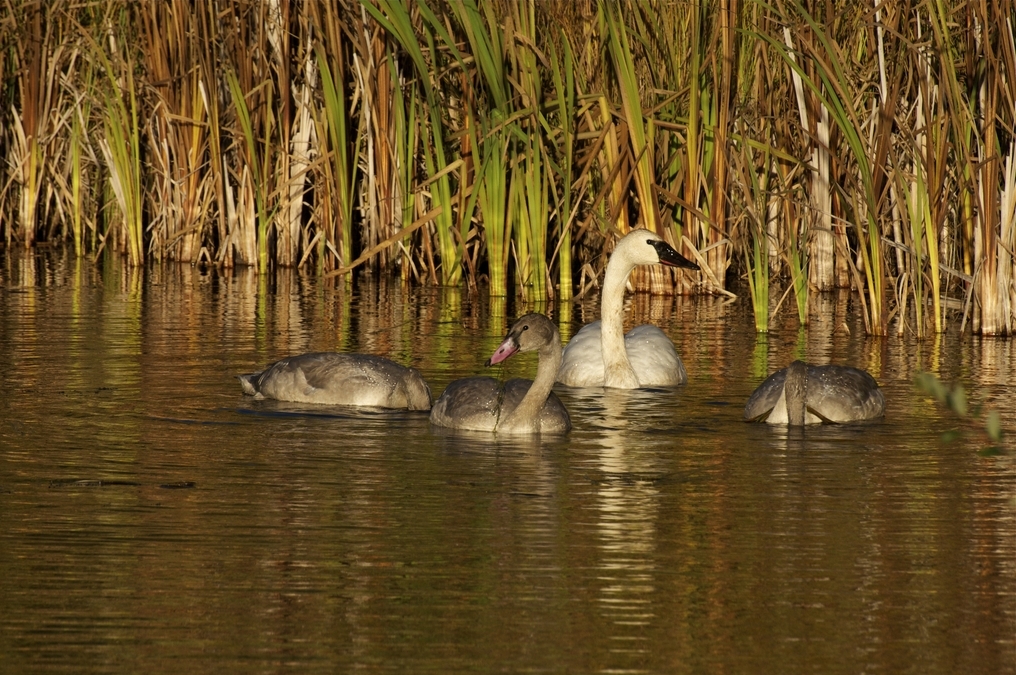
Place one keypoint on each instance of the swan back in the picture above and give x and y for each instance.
(340, 379)
(518, 407)
(806, 394)
(485, 404)
(651, 355)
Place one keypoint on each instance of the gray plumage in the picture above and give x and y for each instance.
(519, 406)
(804, 394)
(340, 379)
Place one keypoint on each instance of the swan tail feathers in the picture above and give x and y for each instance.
(248, 383)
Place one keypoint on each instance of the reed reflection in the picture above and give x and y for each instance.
(662, 534)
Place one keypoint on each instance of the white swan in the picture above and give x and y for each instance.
(801, 394)
(340, 379)
(600, 354)
(518, 407)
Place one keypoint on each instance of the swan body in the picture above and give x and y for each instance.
(340, 379)
(600, 354)
(651, 354)
(519, 406)
(802, 394)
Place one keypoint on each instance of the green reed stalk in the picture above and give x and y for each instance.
(406, 142)
(564, 88)
(532, 215)
(707, 146)
(254, 162)
(930, 160)
(922, 228)
(484, 36)
(518, 216)
(961, 117)
(797, 260)
(832, 91)
(78, 141)
(493, 201)
(394, 16)
(917, 207)
(536, 199)
(931, 236)
(493, 146)
(342, 163)
(628, 84)
(758, 211)
(122, 147)
(758, 277)
(692, 162)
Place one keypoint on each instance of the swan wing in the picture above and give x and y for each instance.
(479, 403)
(554, 417)
(765, 398)
(582, 360)
(843, 394)
(472, 404)
(651, 353)
(653, 357)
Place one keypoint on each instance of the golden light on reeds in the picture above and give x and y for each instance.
(506, 143)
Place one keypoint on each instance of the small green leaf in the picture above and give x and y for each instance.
(993, 425)
(951, 435)
(931, 385)
(958, 400)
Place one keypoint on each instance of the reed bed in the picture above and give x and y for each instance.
(789, 147)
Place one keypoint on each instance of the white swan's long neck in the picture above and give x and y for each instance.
(617, 368)
(528, 411)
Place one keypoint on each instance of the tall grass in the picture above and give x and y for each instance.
(783, 144)
(491, 135)
(177, 131)
(395, 17)
(406, 140)
(253, 186)
(343, 165)
(29, 127)
(533, 205)
(121, 144)
(562, 71)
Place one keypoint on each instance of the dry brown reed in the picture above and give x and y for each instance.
(811, 145)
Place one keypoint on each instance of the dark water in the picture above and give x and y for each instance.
(152, 519)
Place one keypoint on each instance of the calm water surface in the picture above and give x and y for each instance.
(155, 519)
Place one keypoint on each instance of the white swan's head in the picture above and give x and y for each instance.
(644, 247)
(529, 333)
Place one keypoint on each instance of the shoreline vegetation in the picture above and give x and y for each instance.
(797, 146)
